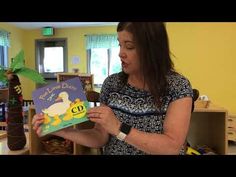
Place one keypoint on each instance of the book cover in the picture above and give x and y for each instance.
(63, 104)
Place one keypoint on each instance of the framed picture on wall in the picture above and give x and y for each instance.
(86, 79)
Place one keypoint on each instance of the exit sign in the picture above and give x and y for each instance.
(48, 31)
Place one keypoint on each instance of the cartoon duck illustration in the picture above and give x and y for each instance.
(57, 109)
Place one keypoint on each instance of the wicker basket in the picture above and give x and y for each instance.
(201, 104)
(58, 146)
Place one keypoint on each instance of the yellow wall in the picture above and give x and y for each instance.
(25, 39)
(16, 38)
(75, 43)
(204, 53)
(16, 44)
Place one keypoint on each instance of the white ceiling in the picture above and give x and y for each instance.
(39, 25)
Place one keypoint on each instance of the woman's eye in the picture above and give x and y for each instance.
(130, 47)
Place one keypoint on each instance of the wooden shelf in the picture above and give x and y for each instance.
(209, 127)
(3, 134)
(4, 95)
(36, 147)
(87, 80)
(231, 148)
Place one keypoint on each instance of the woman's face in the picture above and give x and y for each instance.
(128, 53)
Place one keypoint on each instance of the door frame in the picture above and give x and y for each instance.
(37, 55)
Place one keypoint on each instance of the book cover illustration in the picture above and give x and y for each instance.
(63, 104)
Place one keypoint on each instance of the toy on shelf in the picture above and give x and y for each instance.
(191, 151)
(205, 150)
(16, 139)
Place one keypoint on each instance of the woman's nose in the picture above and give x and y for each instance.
(121, 54)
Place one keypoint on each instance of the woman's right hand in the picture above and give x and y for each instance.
(37, 121)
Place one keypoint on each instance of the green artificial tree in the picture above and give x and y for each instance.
(16, 139)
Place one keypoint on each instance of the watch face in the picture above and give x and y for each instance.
(121, 136)
(125, 128)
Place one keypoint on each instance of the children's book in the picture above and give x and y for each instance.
(63, 104)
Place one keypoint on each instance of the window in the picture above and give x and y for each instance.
(3, 61)
(4, 56)
(103, 57)
(4, 44)
(51, 57)
(103, 62)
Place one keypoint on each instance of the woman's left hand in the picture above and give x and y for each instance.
(104, 116)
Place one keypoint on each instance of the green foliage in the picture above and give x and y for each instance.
(18, 61)
(31, 74)
(18, 67)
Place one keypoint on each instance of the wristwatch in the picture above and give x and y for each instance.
(124, 131)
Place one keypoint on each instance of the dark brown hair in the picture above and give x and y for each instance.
(152, 45)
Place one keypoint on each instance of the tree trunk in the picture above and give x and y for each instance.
(16, 139)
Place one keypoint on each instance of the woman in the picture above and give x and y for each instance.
(146, 108)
